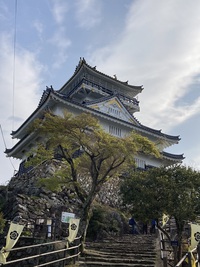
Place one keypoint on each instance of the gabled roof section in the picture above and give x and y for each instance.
(113, 107)
(85, 70)
(52, 98)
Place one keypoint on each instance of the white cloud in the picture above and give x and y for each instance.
(88, 13)
(19, 99)
(61, 43)
(59, 10)
(38, 25)
(159, 48)
(59, 38)
(4, 13)
(194, 162)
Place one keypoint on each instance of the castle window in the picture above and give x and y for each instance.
(115, 130)
(140, 163)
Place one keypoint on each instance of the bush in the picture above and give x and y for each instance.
(105, 222)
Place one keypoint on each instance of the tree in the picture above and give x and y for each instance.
(174, 190)
(86, 150)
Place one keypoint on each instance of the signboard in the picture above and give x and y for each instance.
(66, 216)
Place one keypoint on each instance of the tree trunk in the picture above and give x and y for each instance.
(86, 215)
(180, 228)
(85, 220)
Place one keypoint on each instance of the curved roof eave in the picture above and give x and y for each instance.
(16, 149)
(55, 96)
(33, 116)
(175, 157)
(167, 136)
(82, 64)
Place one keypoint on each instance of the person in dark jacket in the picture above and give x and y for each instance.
(153, 227)
(133, 225)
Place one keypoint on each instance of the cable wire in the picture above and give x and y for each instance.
(6, 147)
(14, 56)
(13, 81)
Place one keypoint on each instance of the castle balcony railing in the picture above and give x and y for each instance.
(133, 103)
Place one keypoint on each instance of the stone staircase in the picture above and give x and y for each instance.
(128, 250)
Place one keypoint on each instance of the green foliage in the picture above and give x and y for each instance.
(97, 223)
(85, 150)
(3, 192)
(140, 191)
(52, 183)
(102, 155)
(174, 191)
(55, 184)
(105, 221)
(27, 233)
(2, 223)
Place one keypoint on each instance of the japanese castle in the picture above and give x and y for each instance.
(110, 100)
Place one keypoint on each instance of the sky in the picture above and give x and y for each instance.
(147, 42)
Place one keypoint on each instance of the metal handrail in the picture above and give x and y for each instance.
(186, 256)
(34, 246)
(182, 260)
(46, 253)
(62, 259)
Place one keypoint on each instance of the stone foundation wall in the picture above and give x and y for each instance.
(25, 199)
(29, 200)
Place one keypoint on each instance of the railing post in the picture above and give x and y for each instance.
(165, 259)
(65, 254)
(189, 259)
(198, 255)
(164, 254)
(76, 249)
(38, 258)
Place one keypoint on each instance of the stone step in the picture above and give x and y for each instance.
(106, 264)
(112, 254)
(129, 250)
(119, 260)
(122, 249)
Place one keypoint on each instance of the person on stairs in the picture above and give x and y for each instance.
(145, 228)
(153, 227)
(134, 227)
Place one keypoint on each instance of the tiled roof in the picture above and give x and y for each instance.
(139, 127)
(83, 62)
(173, 156)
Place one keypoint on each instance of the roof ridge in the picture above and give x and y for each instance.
(82, 61)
